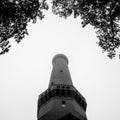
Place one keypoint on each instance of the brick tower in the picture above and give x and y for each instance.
(61, 101)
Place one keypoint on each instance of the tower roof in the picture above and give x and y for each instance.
(60, 71)
(59, 56)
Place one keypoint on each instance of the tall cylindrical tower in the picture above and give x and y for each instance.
(61, 101)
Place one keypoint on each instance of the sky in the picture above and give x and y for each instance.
(26, 69)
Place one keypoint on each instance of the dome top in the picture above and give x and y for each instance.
(59, 56)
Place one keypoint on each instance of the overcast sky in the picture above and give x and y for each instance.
(25, 70)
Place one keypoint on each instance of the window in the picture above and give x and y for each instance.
(63, 103)
(68, 87)
(58, 86)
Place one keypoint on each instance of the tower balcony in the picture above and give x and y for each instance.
(58, 91)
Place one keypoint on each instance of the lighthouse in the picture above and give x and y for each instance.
(61, 101)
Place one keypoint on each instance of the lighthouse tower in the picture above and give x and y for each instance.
(61, 101)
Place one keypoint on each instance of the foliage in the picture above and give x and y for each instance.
(14, 18)
(104, 15)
